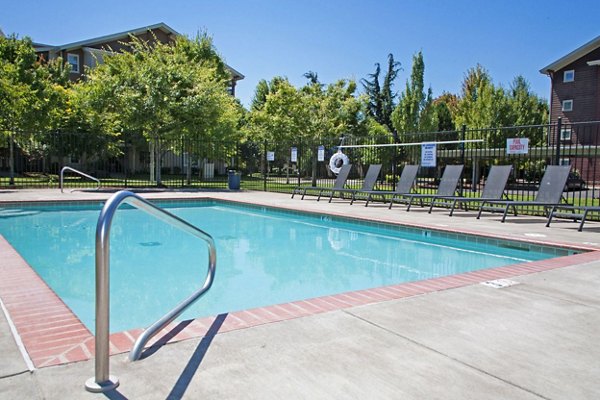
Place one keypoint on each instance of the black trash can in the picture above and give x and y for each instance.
(233, 180)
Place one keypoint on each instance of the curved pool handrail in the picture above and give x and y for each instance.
(62, 176)
(102, 380)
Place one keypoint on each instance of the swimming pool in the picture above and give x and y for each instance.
(265, 256)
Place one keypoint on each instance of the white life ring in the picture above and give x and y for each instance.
(338, 160)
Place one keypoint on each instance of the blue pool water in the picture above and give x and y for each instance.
(264, 257)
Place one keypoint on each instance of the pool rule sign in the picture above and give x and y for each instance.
(428, 154)
(294, 155)
(517, 146)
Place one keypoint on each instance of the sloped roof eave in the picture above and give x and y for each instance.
(572, 56)
(115, 36)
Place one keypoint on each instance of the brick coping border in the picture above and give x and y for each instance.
(53, 335)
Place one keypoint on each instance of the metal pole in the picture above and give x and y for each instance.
(102, 380)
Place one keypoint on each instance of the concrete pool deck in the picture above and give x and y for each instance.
(537, 339)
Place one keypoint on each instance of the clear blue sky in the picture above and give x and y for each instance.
(339, 38)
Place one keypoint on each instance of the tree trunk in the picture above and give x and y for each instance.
(314, 170)
(158, 163)
(188, 169)
(11, 159)
(152, 168)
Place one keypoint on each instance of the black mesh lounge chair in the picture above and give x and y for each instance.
(340, 182)
(493, 190)
(575, 213)
(447, 188)
(549, 194)
(407, 180)
(368, 184)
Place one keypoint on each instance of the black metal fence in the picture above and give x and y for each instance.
(134, 162)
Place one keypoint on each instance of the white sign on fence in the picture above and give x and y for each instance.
(517, 146)
(294, 157)
(321, 153)
(270, 156)
(428, 154)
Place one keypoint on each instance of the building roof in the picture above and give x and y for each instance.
(106, 38)
(116, 36)
(572, 56)
(2, 33)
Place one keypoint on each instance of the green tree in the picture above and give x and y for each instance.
(373, 91)
(284, 115)
(388, 97)
(444, 108)
(381, 99)
(481, 104)
(526, 108)
(415, 111)
(166, 91)
(32, 96)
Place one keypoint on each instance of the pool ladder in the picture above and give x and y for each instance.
(103, 381)
(62, 176)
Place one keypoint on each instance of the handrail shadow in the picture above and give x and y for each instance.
(193, 364)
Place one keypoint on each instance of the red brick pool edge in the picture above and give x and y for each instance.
(52, 334)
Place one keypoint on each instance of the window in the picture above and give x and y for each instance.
(569, 76)
(564, 161)
(73, 60)
(565, 134)
(567, 105)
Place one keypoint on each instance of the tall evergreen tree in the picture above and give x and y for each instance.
(382, 98)
(373, 92)
(415, 112)
(388, 97)
(312, 77)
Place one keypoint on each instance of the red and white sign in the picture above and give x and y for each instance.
(517, 146)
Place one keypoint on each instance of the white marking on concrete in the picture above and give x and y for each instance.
(535, 234)
(18, 340)
(500, 283)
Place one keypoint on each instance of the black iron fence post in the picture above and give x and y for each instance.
(463, 133)
(299, 154)
(558, 137)
(265, 166)
(394, 161)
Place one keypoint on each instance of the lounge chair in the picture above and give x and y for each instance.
(407, 180)
(447, 188)
(340, 182)
(576, 213)
(549, 194)
(493, 190)
(368, 183)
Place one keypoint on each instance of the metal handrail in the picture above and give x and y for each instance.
(103, 381)
(62, 176)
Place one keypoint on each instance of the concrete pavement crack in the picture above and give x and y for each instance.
(445, 355)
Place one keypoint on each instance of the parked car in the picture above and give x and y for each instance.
(575, 182)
